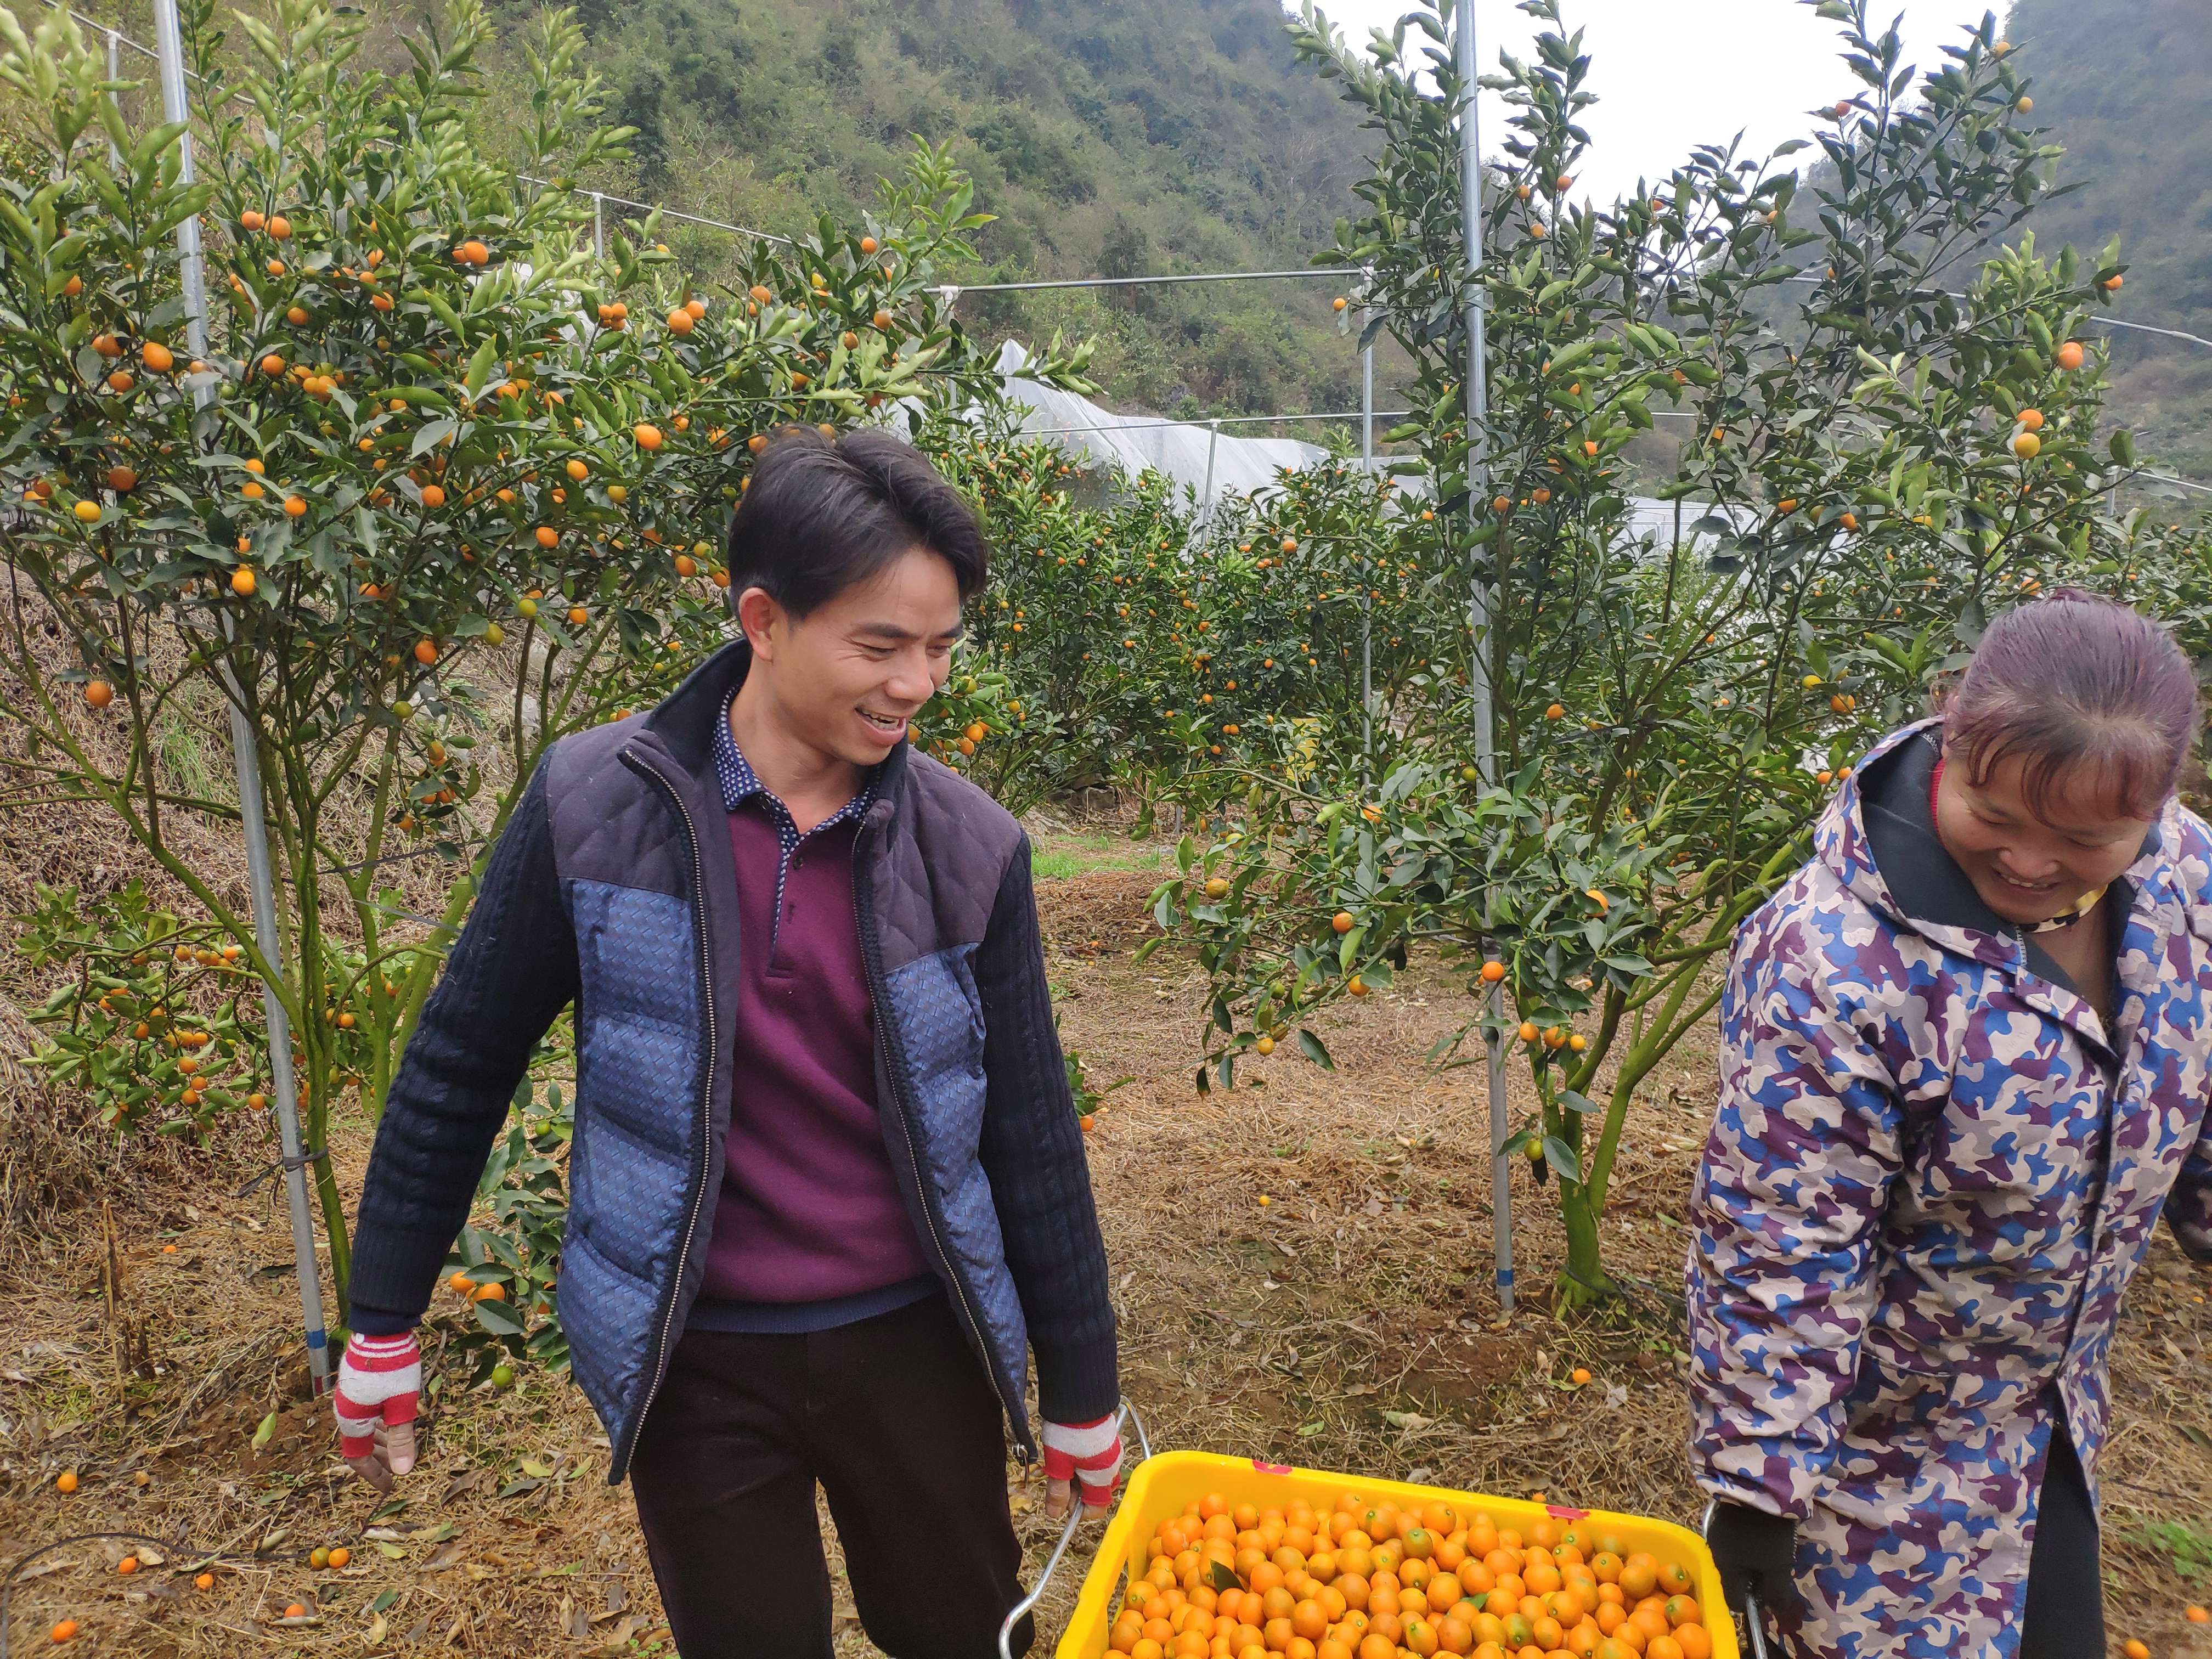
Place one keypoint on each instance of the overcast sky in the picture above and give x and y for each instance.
(1671, 73)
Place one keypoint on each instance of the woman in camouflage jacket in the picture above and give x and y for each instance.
(1964, 1059)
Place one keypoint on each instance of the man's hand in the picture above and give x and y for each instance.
(380, 1381)
(1756, 1553)
(1085, 1454)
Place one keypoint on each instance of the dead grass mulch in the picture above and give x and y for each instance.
(1349, 1324)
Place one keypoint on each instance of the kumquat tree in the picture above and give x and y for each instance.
(1069, 698)
(1873, 460)
(1135, 644)
(431, 497)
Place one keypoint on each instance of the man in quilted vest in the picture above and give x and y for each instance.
(827, 1191)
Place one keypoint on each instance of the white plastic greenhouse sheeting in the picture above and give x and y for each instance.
(1657, 520)
(1138, 443)
(1244, 467)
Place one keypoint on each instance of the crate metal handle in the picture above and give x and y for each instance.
(1754, 1618)
(1076, 1512)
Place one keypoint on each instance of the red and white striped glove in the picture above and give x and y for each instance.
(380, 1382)
(1087, 1454)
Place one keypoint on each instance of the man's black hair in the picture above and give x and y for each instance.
(823, 515)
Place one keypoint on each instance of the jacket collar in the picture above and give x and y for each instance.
(682, 727)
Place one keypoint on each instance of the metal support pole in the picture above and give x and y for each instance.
(169, 40)
(599, 224)
(1366, 585)
(192, 273)
(1479, 609)
(1205, 496)
(114, 73)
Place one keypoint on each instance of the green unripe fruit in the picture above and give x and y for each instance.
(502, 1375)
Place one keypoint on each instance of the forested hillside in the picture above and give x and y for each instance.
(2127, 87)
(1124, 137)
(1112, 136)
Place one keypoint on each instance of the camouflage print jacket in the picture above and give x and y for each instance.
(1932, 1172)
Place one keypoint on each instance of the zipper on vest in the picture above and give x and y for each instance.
(871, 971)
(631, 757)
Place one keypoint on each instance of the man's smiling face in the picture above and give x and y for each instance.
(848, 676)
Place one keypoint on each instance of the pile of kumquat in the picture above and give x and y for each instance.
(1369, 1581)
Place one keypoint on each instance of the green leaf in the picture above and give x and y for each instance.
(446, 313)
(263, 1434)
(1312, 1048)
(430, 435)
(2123, 447)
(1562, 1159)
(1577, 1102)
(1573, 357)
(479, 369)
(1890, 651)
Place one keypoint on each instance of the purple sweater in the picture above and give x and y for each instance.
(810, 1229)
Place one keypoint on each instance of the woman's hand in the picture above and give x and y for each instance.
(1757, 1555)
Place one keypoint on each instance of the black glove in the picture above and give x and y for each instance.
(1756, 1553)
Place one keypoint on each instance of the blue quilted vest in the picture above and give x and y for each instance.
(650, 887)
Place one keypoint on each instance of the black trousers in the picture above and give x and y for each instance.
(896, 1419)
(2065, 1615)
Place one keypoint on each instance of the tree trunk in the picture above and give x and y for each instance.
(332, 1204)
(1584, 1282)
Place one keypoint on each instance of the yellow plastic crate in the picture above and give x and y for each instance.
(1160, 1486)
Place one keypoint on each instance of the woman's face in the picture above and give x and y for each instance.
(2029, 867)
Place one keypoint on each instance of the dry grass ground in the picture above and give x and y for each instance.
(1348, 1323)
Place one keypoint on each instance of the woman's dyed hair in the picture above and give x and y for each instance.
(2082, 689)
